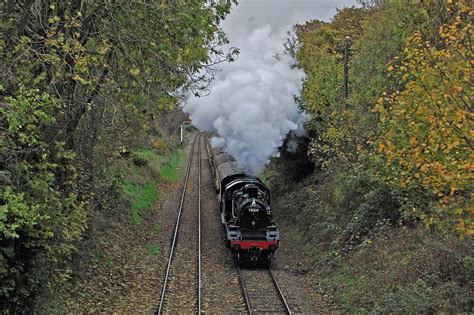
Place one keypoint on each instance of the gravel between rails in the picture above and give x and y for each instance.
(221, 287)
(263, 296)
(181, 292)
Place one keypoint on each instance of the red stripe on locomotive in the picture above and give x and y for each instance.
(257, 244)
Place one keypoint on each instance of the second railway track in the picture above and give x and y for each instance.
(181, 290)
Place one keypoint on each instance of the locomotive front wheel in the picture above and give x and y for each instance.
(269, 259)
(254, 260)
(237, 259)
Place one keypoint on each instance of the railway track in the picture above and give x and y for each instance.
(179, 267)
(182, 283)
(262, 293)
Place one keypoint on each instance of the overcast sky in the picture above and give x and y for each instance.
(280, 14)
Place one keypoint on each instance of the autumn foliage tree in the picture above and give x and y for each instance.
(427, 126)
(417, 74)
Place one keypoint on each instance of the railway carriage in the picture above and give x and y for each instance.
(244, 202)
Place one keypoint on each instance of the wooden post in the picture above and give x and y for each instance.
(346, 67)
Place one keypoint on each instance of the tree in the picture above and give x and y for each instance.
(321, 55)
(427, 125)
(77, 80)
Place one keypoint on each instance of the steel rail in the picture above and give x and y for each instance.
(175, 235)
(199, 227)
(275, 283)
(244, 290)
(282, 297)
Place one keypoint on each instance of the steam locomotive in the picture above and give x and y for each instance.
(250, 232)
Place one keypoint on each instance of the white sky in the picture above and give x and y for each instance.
(280, 14)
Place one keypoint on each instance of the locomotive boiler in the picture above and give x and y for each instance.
(245, 208)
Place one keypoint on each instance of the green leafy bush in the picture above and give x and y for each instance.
(41, 217)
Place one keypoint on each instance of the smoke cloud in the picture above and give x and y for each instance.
(251, 107)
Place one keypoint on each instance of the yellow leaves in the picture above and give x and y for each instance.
(458, 89)
(159, 144)
(80, 79)
(452, 191)
(103, 49)
(452, 37)
(54, 19)
(134, 71)
(465, 225)
(426, 125)
(424, 169)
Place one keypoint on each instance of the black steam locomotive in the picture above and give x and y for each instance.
(250, 231)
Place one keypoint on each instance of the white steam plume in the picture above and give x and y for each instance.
(251, 107)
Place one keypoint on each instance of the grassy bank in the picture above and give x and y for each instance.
(141, 174)
(122, 237)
